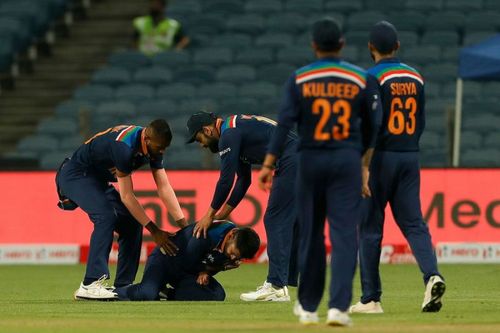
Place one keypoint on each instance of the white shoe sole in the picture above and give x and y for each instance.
(86, 298)
(271, 298)
(337, 323)
(434, 304)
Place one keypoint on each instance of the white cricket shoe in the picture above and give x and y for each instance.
(370, 307)
(305, 317)
(97, 291)
(267, 292)
(335, 317)
(434, 290)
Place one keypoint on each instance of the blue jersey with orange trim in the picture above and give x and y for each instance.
(117, 148)
(244, 140)
(401, 90)
(335, 105)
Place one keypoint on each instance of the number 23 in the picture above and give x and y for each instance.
(325, 108)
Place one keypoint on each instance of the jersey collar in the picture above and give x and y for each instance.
(388, 60)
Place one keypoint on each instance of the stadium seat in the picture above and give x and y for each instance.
(134, 92)
(57, 127)
(436, 123)
(71, 143)
(444, 21)
(188, 107)
(234, 41)
(408, 38)
(119, 109)
(243, 105)
(254, 56)
(425, 5)
(408, 21)
(356, 38)
(157, 108)
(263, 6)
(303, 6)
(351, 53)
(130, 60)
(276, 73)
(286, 22)
(491, 5)
(252, 24)
(313, 17)
(471, 90)
(216, 22)
(492, 140)
(153, 76)
(296, 55)
(213, 56)
(20, 34)
(52, 161)
(176, 91)
(450, 53)
(195, 74)
(470, 139)
(423, 55)
(482, 106)
(94, 93)
(73, 108)
(344, 6)
(463, 5)
(6, 55)
(236, 74)
(441, 38)
(277, 40)
(112, 76)
(480, 158)
(31, 13)
(432, 89)
(172, 59)
(218, 90)
(229, 7)
(433, 158)
(482, 21)
(387, 6)
(364, 20)
(38, 144)
(491, 89)
(442, 72)
(184, 7)
(258, 89)
(481, 122)
(431, 140)
(477, 37)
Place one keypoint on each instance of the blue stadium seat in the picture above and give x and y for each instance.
(491, 5)
(463, 5)
(481, 122)
(286, 22)
(442, 38)
(195, 74)
(134, 92)
(153, 76)
(276, 73)
(470, 139)
(351, 53)
(117, 109)
(408, 21)
(357, 38)
(481, 107)
(313, 17)
(57, 127)
(423, 54)
(442, 72)
(112, 76)
(172, 59)
(213, 22)
(448, 89)
(432, 89)
(387, 6)
(234, 41)
(252, 24)
(184, 7)
(73, 108)
(364, 20)
(491, 89)
(38, 144)
(70, 143)
(480, 158)
(482, 21)
(229, 7)
(20, 34)
(425, 5)
(263, 6)
(214, 56)
(236, 74)
(157, 108)
(277, 40)
(258, 89)
(296, 55)
(445, 21)
(253, 56)
(52, 161)
(492, 140)
(94, 93)
(176, 91)
(303, 6)
(431, 140)
(471, 90)
(477, 37)
(408, 38)
(243, 105)
(130, 60)
(436, 123)
(434, 158)
(344, 6)
(188, 107)
(218, 90)
(450, 53)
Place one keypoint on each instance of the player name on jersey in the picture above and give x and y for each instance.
(406, 88)
(330, 89)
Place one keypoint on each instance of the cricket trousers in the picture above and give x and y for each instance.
(394, 179)
(105, 209)
(329, 186)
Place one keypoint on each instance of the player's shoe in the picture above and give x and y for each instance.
(434, 290)
(96, 291)
(370, 307)
(335, 317)
(267, 292)
(305, 317)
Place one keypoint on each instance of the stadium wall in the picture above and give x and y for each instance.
(462, 207)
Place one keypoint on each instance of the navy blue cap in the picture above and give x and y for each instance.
(384, 37)
(326, 34)
(197, 121)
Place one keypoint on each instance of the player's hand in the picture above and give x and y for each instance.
(201, 227)
(162, 239)
(265, 178)
(232, 265)
(203, 279)
(365, 183)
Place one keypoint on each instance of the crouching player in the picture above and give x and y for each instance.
(190, 273)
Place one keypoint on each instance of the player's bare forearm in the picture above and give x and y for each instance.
(167, 194)
(224, 212)
(269, 161)
(128, 198)
(367, 158)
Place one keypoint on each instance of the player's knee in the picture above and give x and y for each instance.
(148, 293)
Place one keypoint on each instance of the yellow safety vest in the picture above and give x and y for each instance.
(154, 39)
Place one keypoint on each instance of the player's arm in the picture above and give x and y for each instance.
(243, 182)
(230, 154)
(287, 116)
(168, 197)
(181, 40)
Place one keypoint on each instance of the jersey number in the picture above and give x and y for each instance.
(340, 107)
(397, 124)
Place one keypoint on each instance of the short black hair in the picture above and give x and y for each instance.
(327, 35)
(247, 242)
(160, 131)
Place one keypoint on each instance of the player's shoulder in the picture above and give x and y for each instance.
(384, 71)
(126, 135)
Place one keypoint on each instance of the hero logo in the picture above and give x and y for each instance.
(225, 151)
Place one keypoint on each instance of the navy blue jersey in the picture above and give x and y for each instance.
(244, 140)
(401, 89)
(117, 148)
(195, 254)
(335, 105)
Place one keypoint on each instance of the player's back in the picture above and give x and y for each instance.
(401, 89)
(331, 94)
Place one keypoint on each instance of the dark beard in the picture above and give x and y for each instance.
(213, 145)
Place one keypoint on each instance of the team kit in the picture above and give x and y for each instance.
(345, 144)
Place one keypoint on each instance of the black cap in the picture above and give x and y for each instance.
(196, 122)
(327, 35)
(384, 37)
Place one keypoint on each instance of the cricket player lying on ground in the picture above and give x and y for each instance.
(189, 274)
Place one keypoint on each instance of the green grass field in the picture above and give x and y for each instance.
(39, 299)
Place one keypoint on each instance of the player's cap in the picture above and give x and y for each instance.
(384, 37)
(326, 34)
(196, 122)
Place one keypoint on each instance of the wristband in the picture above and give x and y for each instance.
(151, 226)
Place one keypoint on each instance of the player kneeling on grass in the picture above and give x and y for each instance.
(190, 273)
